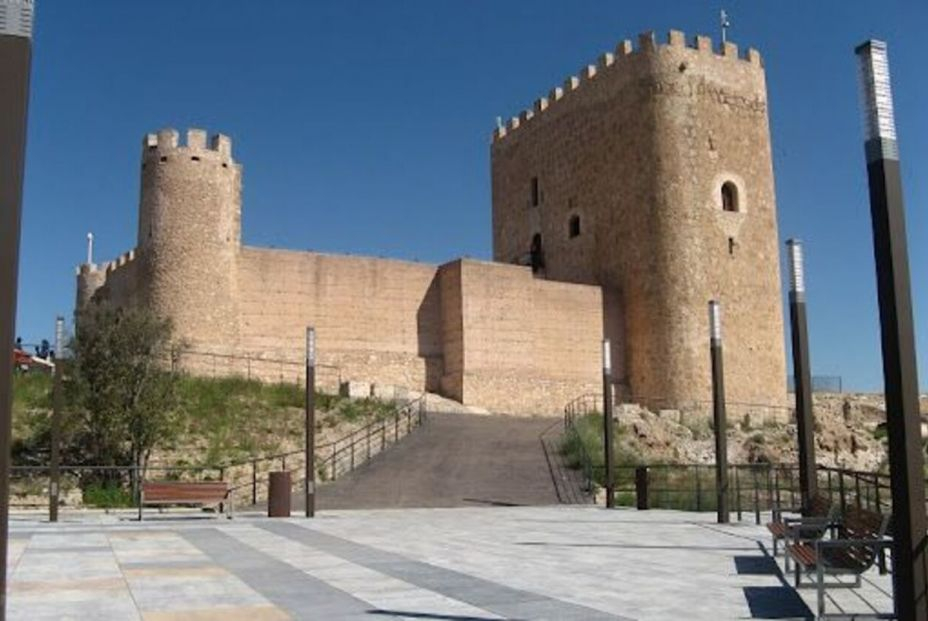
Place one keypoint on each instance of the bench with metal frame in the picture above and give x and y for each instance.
(822, 517)
(163, 493)
(860, 545)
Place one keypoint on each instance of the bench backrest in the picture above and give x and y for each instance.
(180, 491)
(863, 525)
(821, 506)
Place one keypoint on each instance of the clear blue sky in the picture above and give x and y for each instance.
(363, 127)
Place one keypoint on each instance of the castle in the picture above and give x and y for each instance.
(623, 202)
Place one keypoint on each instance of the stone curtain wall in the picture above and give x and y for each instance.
(530, 345)
(376, 320)
(638, 146)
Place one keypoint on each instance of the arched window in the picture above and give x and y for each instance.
(537, 254)
(729, 196)
(573, 226)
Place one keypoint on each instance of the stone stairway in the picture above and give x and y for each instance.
(461, 459)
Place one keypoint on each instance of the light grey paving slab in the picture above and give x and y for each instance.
(299, 594)
(494, 597)
(386, 595)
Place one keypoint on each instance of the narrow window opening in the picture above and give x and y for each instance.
(537, 254)
(731, 246)
(729, 196)
(194, 158)
(224, 165)
(573, 227)
(164, 158)
(536, 193)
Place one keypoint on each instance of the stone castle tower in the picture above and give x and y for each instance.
(650, 175)
(189, 239)
(190, 233)
(622, 203)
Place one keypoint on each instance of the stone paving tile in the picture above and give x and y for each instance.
(493, 596)
(385, 594)
(644, 565)
(292, 590)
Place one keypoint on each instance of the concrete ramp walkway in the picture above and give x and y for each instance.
(455, 460)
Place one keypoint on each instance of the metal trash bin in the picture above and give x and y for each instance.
(278, 494)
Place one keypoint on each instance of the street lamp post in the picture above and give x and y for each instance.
(802, 374)
(608, 426)
(900, 375)
(309, 480)
(54, 485)
(15, 63)
(718, 412)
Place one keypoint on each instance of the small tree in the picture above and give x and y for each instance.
(123, 383)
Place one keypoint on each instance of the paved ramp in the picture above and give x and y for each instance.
(456, 460)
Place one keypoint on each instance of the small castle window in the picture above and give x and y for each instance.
(224, 165)
(164, 158)
(537, 254)
(729, 196)
(573, 227)
(536, 192)
(194, 158)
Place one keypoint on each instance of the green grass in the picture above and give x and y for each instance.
(107, 496)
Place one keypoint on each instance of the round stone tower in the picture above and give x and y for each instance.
(190, 234)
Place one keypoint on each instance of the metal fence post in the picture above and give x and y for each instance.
(254, 482)
(641, 488)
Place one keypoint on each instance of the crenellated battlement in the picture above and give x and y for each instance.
(166, 141)
(613, 61)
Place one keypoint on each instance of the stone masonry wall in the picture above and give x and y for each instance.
(639, 146)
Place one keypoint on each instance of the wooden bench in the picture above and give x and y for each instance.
(161, 493)
(822, 517)
(861, 542)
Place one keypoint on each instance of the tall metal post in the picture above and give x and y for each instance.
(309, 481)
(802, 374)
(608, 426)
(718, 412)
(900, 375)
(15, 63)
(54, 484)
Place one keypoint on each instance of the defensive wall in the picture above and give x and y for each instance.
(622, 203)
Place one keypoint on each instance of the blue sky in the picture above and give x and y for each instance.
(363, 128)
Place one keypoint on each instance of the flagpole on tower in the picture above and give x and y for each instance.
(725, 23)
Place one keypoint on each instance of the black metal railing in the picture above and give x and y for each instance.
(118, 486)
(333, 460)
(752, 488)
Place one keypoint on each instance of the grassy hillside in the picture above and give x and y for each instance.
(218, 420)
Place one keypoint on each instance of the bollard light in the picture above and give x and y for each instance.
(311, 346)
(797, 277)
(715, 321)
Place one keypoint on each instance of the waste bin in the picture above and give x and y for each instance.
(278, 495)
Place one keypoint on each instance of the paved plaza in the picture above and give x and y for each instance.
(466, 564)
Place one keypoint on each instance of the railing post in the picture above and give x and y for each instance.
(831, 494)
(841, 491)
(368, 443)
(776, 487)
(756, 497)
(383, 435)
(737, 492)
(254, 481)
(857, 488)
(396, 426)
(698, 488)
(222, 477)
(641, 488)
(352, 454)
(334, 460)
